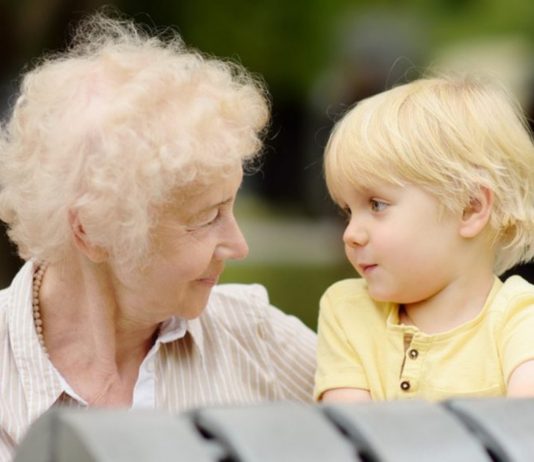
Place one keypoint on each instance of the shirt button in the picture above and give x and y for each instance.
(405, 385)
(413, 354)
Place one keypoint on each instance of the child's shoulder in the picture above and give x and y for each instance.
(512, 297)
(350, 299)
(516, 288)
(348, 288)
(348, 293)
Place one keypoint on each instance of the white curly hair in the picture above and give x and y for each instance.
(110, 128)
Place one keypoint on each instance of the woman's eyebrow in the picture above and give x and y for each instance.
(216, 205)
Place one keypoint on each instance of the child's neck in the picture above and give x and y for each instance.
(451, 307)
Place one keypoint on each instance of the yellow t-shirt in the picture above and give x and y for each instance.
(362, 345)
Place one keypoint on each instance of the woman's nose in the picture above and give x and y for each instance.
(240, 246)
(234, 246)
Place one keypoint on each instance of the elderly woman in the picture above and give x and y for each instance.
(120, 166)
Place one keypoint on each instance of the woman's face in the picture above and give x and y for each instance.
(194, 237)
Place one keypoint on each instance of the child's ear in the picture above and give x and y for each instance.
(476, 214)
(93, 252)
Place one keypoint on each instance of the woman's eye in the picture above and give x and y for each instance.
(205, 222)
(377, 205)
(212, 220)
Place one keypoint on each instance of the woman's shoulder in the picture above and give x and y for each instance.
(240, 292)
(4, 297)
(237, 305)
(281, 345)
(9, 302)
(242, 306)
(245, 299)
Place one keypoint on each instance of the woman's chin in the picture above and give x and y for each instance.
(195, 306)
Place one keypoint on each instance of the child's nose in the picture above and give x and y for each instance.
(355, 234)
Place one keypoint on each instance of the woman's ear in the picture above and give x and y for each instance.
(93, 252)
(477, 213)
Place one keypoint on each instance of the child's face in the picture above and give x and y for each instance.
(399, 242)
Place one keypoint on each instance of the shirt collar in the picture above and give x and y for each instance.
(175, 328)
(194, 327)
(171, 329)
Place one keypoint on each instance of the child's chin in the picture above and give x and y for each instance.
(380, 295)
(385, 294)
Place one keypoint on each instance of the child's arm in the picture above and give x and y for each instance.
(521, 382)
(346, 395)
(340, 375)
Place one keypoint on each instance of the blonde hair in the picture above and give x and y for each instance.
(110, 128)
(449, 136)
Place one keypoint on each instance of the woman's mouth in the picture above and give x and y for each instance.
(209, 280)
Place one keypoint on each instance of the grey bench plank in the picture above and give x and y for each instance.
(67, 435)
(277, 432)
(505, 426)
(406, 431)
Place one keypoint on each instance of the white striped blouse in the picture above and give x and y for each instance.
(241, 350)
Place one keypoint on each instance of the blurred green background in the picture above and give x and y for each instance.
(317, 57)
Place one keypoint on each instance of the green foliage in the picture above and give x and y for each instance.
(295, 289)
(291, 43)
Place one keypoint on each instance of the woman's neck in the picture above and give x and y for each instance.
(93, 339)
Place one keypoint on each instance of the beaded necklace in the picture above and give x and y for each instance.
(37, 319)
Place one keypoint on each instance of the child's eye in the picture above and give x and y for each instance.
(377, 205)
(345, 211)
